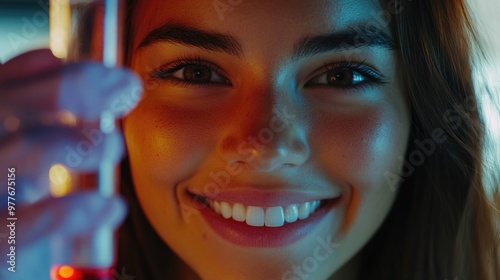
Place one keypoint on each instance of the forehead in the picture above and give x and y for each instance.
(279, 20)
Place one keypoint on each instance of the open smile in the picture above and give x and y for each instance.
(270, 223)
(256, 216)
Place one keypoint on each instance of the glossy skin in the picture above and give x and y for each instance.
(340, 137)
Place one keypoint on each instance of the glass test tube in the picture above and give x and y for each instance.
(90, 257)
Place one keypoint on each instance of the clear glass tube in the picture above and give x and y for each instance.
(83, 30)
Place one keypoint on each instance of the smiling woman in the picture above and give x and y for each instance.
(287, 140)
(322, 173)
(368, 175)
(274, 140)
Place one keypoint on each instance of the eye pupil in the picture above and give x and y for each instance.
(197, 74)
(340, 77)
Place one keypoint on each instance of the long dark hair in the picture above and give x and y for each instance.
(442, 224)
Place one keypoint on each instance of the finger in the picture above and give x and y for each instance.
(86, 89)
(33, 153)
(97, 89)
(81, 149)
(68, 216)
(28, 64)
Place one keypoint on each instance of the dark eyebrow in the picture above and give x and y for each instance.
(351, 38)
(190, 36)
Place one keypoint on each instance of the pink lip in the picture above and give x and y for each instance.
(264, 237)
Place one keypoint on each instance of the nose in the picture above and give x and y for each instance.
(265, 135)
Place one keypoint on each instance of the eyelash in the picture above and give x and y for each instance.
(163, 73)
(372, 77)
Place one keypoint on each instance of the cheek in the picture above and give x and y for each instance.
(356, 150)
(361, 147)
(161, 137)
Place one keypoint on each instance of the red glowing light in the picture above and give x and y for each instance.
(66, 272)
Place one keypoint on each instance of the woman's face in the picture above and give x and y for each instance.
(265, 111)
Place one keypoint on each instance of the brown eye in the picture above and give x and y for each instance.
(343, 77)
(346, 75)
(197, 74)
(339, 78)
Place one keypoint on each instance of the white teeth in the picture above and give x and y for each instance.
(314, 206)
(275, 216)
(291, 213)
(216, 207)
(318, 204)
(304, 210)
(311, 208)
(225, 210)
(256, 216)
(239, 212)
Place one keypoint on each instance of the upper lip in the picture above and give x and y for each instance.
(254, 196)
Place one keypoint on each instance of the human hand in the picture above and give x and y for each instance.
(34, 89)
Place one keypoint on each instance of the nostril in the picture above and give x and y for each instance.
(277, 155)
(288, 148)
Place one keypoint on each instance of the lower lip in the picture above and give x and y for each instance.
(268, 237)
